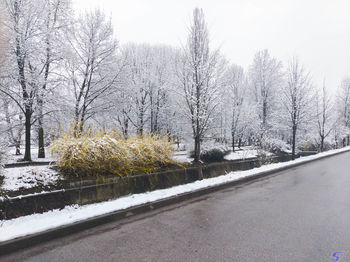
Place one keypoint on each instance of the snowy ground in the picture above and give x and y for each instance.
(28, 177)
(245, 153)
(10, 229)
(12, 158)
(182, 157)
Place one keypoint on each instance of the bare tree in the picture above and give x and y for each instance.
(236, 87)
(90, 64)
(296, 98)
(266, 77)
(159, 90)
(324, 114)
(140, 62)
(343, 112)
(146, 87)
(55, 17)
(2, 34)
(24, 22)
(14, 123)
(199, 79)
(30, 59)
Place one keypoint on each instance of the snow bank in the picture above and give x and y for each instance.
(10, 229)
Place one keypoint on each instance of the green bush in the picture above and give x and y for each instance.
(106, 153)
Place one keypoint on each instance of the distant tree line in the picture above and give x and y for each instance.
(59, 68)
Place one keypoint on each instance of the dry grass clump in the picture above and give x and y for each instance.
(106, 153)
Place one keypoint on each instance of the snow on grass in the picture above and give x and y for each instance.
(182, 157)
(245, 154)
(28, 177)
(22, 226)
(13, 158)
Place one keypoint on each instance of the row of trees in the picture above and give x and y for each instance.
(61, 68)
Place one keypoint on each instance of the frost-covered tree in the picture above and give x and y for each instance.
(31, 55)
(139, 73)
(199, 77)
(324, 115)
(265, 75)
(343, 112)
(14, 123)
(296, 98)
(72, 68)
(90, 64)
(56, 14)
(25, 21)
(236, 83)
(2, 34)
(122, 97)
(2, 55)
(160, 89)
(149, 74)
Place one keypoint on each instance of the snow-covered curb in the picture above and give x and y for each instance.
(27, 225)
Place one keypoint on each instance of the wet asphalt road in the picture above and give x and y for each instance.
(302, 214)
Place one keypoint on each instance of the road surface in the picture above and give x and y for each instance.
(302, 214)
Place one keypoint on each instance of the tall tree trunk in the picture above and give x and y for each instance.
(233, 142)
(197, 149)
(41, 150)
(27, 153)
(293, 141)
(152, 111)
(156, 128)
(41, 146)
(126, 128)
(322, 144)
(141, 121)
(140, 129)
(18, 139)
(264, 114)
(77, 110)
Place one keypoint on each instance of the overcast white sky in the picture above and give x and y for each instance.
(317, 31)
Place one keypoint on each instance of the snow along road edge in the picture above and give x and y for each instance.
(37, 228)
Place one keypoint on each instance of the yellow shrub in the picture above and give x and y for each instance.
(106, 153)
